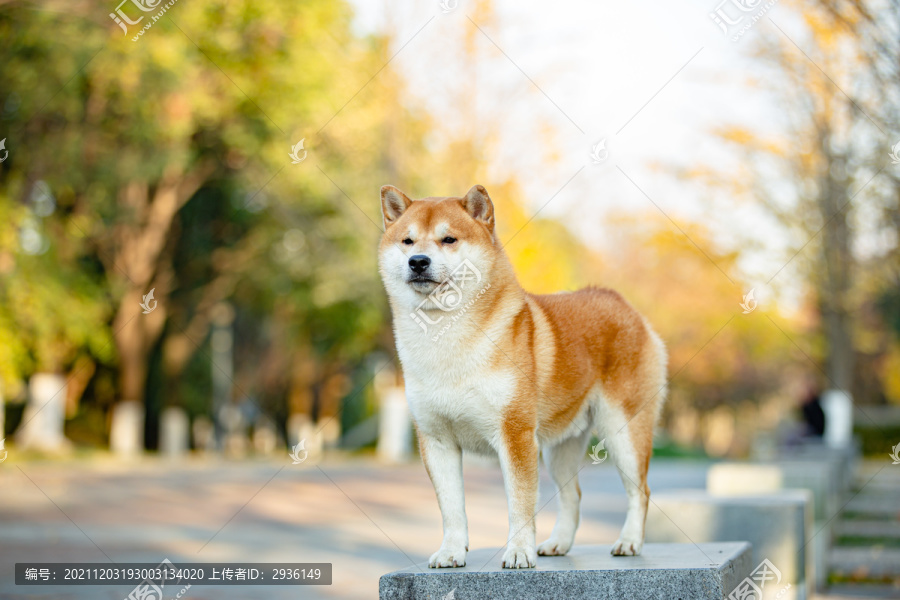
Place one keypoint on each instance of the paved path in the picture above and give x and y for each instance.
(364, 518)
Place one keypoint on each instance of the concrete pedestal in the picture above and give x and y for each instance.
(777, 524)
(663, 571)
(819, 477)
(841, 460)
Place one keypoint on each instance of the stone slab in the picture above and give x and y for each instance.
(735, 479)
(875, 562)
(777, 525)
(843, 461)
(882, 530)
(663, 571)
(819, 477)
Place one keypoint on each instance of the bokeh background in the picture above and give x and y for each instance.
(701, 169)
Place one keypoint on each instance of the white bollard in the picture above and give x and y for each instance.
(204, 434)
(838, 408)
(45, 414)
(394, 427)
(126, 435)
(174, 432)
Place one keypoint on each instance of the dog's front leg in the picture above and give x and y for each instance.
(519, 461)
(443, 461)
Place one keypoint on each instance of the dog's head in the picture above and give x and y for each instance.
(435, 246)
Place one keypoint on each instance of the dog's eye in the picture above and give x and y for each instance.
(408, 242)
(449, 240)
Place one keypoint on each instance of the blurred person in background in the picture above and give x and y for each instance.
(809, 408)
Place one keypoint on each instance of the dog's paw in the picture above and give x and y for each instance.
(554, 547)
(518, 557)
(627, 547)
(448, 557)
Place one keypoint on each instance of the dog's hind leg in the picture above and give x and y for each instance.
(630, 446)
(564, 461)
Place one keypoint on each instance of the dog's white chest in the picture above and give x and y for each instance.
(454, 393)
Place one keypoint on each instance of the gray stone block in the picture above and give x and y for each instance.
(663, 571)
(819, 477)
(821, 545)
(841, 460)
(776, 524)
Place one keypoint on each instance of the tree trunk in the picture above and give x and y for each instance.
(837, 262)
(135, 258)
(134, 335)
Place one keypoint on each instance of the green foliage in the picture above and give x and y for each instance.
(51, 307)
(223, 90)
(877, 440)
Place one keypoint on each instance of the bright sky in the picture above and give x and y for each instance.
(651, 78)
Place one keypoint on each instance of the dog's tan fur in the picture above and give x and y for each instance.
(553, 368)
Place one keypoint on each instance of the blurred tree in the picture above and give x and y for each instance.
(833, 67)
(52, 310)
(873, 27)
(693, 307)
(168, 159)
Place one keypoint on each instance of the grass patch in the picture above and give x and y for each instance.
(867, 542)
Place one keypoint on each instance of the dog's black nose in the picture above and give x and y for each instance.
(419, 263)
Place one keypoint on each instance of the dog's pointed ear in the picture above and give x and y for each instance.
(479, 206)
(393, 204)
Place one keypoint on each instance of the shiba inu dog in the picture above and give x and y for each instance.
(492, 369)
